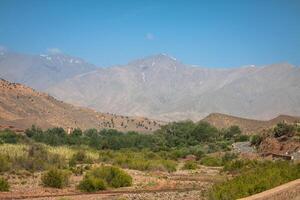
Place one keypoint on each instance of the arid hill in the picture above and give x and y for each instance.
(21, 106)
(248, 126)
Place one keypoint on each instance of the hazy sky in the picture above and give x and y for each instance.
(208, 33)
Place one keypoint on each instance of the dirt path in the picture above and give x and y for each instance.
(106, 193)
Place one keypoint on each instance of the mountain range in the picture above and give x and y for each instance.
(160, 86)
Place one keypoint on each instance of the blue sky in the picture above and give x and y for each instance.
(207, 33)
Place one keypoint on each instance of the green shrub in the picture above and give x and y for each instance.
(80, 157)
(211, 161)
(78, 170)
(136, 160)
(236, 166)
(242, 138)
(283, 129)
(5, 165)
(8, 136)
(232, 132)
(228, 157)
(56, 178)
(91, 184)
(190, 165)
(4, 186)
(100, 177)
(57, 160)
(256, 140)
(258, 177)
(169, 165)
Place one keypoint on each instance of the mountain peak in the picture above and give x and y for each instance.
(162, 56)
(62, 58)
(161, 61)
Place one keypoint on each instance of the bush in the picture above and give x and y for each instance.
(57, 160)
(283, 129)
(211, 161)
(242, 138)
(240, 165)
(8, 136)
(99, 178)
(204, 132)
(92, 184)
(4, 186)
(5, 165)
(232, 132)
(80, 158)
(169, 165)
(56, 178)
(190, 165)
(229, 157)
(256, 140)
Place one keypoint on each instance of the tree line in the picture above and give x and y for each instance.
(175, 134)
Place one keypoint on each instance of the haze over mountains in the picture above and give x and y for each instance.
(40, 71)
(160, 86)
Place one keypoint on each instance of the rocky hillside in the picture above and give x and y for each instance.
(21, 106)
(281, 142)
(162, 87)
(248, 126)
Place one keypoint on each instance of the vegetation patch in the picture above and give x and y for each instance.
(92, 184)
(254, 178)
(190, 165)
(143, 160)
(4, 186)
(211, 161)
(56, 178)
(80, 157)
(106, 176)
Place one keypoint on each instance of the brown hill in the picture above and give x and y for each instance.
(248, 126)
(21, 106)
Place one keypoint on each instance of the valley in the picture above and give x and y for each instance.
(164, 160)
(149, 100)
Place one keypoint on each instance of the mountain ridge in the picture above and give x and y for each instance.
(164, 88)
(22, 106)
(40, 71)
(158, 86)
(247, 126)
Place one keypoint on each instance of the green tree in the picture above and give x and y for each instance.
(204, 132)
(232, 132)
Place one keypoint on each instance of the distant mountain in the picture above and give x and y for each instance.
(248, 126)
(161, 87)
(40, 71)
(21, 107)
